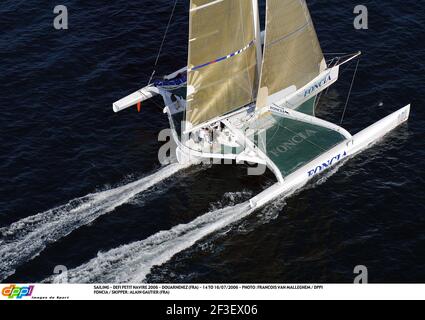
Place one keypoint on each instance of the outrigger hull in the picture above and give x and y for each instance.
(345, 150)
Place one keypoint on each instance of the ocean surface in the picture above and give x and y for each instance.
(82, 187)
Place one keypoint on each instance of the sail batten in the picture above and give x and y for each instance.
(222, 64)
(292, 53)
(203, 6)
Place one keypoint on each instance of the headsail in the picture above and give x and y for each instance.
(292, 53)
(222, 58)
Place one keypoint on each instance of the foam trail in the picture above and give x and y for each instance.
(26, 238)
(133, 262)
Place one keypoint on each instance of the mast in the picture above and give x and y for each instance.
(257, 28)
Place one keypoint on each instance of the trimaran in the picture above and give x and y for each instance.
(250, 96)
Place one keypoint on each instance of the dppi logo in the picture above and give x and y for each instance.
(318, 85)
(327, 164)
(17, 292)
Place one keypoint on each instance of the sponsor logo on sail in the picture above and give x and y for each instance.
(14, 291)
(327, 164)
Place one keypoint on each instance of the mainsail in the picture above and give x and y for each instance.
(222, 58)
(292, 53)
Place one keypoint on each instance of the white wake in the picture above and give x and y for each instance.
(132, 263)
(26, 238)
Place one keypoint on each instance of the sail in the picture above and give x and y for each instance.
(222, 58)
(292, 53)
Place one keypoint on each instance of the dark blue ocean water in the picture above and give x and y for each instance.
(60, 141)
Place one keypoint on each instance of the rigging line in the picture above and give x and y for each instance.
(334, 53)
(318, 100)
(349, 93)
(338, 59)
(152, 100)
(162, 43)
(343, 70)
